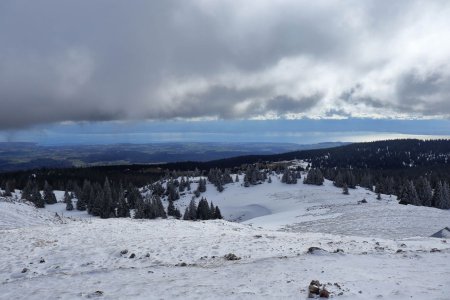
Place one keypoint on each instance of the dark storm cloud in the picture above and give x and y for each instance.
(120, 60)
(286, 104)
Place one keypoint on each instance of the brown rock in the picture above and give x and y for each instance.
(324, 293)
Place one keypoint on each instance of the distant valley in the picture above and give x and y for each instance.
(26, 156)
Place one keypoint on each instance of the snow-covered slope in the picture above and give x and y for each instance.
(308, 208)
(20, 214)
(182, 259)
(373, 250)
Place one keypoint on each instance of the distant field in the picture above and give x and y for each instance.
(25, 156)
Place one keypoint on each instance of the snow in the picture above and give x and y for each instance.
(387, 249)
(85, 256)
(20, 214)
(308, 208)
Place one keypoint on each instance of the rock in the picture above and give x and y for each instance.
(42, 261)
(24, 270)
(132, 255)
(123, 252)
(443, 233)
(315, 290)
(324, 293)
(315, 282)
(316, 250)
(399, 251)
(231, 256)
(338, 251)
(95, 294)
(435, 250)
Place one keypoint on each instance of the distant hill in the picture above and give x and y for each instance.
(26, 156)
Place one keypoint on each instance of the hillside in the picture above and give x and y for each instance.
(372, 250)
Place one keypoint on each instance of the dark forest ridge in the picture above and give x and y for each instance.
(387, 154)
(405, 158)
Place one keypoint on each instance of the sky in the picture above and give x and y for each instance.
(130, 67)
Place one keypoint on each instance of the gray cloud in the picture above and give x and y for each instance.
(119, 60)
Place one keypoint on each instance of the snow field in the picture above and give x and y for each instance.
(385, 249)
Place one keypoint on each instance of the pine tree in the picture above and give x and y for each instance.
(132, 196)
(83, 198)
(345, 189)
(106, 207)
(437, 195)
(28, 191)
(409, 194)
(339, 180)
(37, 199)
(202, 185)
(177, 213)
(203, 210)
(67, 197)
(441, 197)
(424, 191)
(158, 207)
(171, 210)
(246, 181)
(389, 186)
(123, 211)
(192, 210)
(212, 210)
(217, 213)
(49, 195)
(269, 180)
(237, 178)
(314, 176)
(139, 212)
(97, 203)
(76, 191)
(187, 214)
(69, 204)
(188, 184)
(446, 196)
(8, 189)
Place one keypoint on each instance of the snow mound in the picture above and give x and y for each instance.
(443, 233)
(17, 214)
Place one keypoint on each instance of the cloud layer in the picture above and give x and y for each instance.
(206, 59)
